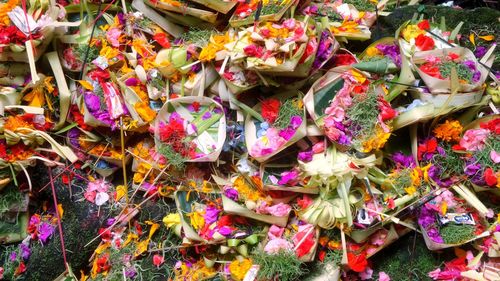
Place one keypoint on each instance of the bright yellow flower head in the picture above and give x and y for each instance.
(239, 269)
(172, 219)
(411, 31)
(197, 219)
(372, 52)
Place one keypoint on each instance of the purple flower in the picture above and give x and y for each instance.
(287, 133)
(45, 230)
(295, 122)
(305, 156)
(73, 135)
(403, 160)
(206, 116)
(470, 65)
(426, 217)
(132, 82)
(121, 18)
(391, 51)
(344, 140)
(433, 233)
(231, 193)
(25, 251)
(472, 169)
(130, 272)
(195, 68)
(476, 76)
(13, 256)
(225, 230)
(324, 50)
(434, 174)
(480, 51)
(288, 177)
(92, 102)
(211, 214)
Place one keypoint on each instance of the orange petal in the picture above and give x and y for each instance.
(487, 37)
(472, 39)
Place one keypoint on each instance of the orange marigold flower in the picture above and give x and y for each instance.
(448, 131)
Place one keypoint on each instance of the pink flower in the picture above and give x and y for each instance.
(495, 156)
(275, 232)
(113, 36)
(279, 210)
(434, 274)
(379, 238)
(262, 207)
(253, 51)
(276, 245)
(90, 196)
(367, 274)
(474, 139)
(382, 276)
(336, 113)
(318, 147)
(268, 144)
(158, 260)
(289, 24)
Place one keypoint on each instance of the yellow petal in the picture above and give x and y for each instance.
(487, 37)
(120, 192)
(472, 39)
(86, 85)
(444, 208)
(100, 249)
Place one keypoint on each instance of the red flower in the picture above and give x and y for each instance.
(424, 43)
(158, 260)
(162, 39)
(321, 256)
(424, 25)
(196, 106)
(172, 131)
(103, 264)
(386, 111)
(306, 245)
(105, 234)
(99, 75)
(305, 202)
(429, 146)
(431, 70)
(254, 51)
(20, 269)
(492, 125)
(489, 177)
(390, 203)
(225, 220)
(357, 263)
(3, 150)
(453, 56)
(270, 110)
(344, 59)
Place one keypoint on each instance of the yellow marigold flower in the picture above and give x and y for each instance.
(410, 190)
(377, 141)
(448, 131)
(172, 219)
(144, 111)
(411, 31)
(372, 52)
(239, 269)
(197, 219)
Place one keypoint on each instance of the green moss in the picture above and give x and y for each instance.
(403, 261)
